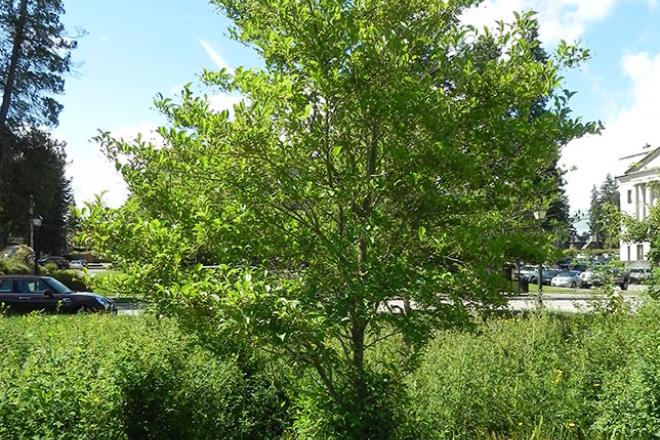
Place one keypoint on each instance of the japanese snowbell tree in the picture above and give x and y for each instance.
(379, 171)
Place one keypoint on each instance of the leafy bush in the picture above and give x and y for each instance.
(543, 377)
(111, 378)
(20, 261)
(584, 377)
(508, 379)
(12, 266)
(630, 404)
(113, 283)
(73, 279)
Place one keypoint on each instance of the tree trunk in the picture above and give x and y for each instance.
(359, 323)
(361, 430)
(12, 68)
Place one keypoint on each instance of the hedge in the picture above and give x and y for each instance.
(102, 377)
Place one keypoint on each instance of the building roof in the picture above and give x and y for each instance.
(648, 158)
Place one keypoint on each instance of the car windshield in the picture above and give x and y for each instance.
(57, 286)
(568, 274)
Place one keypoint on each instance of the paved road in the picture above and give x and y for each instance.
(129, 309)
(564, 303)
(567, 303)
(570, 304)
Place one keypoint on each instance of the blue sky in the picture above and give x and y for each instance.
(135, 50)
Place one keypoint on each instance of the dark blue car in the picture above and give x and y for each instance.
(30, 293)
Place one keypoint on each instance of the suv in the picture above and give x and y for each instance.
(30, 293)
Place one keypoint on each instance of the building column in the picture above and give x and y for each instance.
(637, 202)
(652, 192)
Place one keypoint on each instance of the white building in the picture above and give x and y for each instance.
(638, 195)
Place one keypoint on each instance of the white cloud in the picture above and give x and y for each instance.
(224, 101)
(146, 129)
(559, 19)
(215, 56)
(92, 173)
(628, 129)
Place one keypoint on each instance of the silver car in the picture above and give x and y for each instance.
(569, 278)
(639, 275)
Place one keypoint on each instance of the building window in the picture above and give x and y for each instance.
(629, 254)
(630, 196)
(640, 252)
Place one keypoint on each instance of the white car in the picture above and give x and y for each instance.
(78, 264)
(530, 272)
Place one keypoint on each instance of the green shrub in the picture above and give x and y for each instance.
(13, 265)
(506, 380)
(111, 378)
(630, 405)
(73, 279)
(113, 283)
(543, 377)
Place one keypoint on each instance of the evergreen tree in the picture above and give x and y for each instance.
(609, 192)
(35, 54)
(605, 198)
(37, 173)
(594, 212)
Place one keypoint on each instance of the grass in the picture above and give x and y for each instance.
(533, 290)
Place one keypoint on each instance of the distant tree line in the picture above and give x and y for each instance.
(35, 54)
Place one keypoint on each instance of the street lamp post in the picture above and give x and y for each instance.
(35, 223)
(539, 215)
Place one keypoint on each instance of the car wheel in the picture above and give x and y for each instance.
(624, 285)
(573, 285)
(84, 310)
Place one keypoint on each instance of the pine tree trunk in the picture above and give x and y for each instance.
(12, 68)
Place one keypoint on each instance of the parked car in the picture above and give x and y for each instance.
(547, 274)
(564, 263)
(78, 264)
(29, 293)
(580, 267)
(595, 276)
(639, 275)
(529, 271)
(60, 262)
(569, 278)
